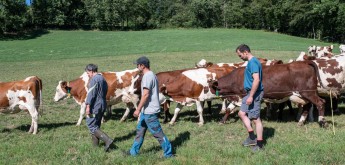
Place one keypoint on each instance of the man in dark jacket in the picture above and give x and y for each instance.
(96, 105)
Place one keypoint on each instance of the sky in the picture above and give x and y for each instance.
(27, 1)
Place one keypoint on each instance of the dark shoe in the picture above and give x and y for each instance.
(95, 140)
(256, 148)
(104, 137)
(249, 142)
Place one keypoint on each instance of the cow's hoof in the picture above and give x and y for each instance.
(221, 122)
(323, 124)
(300, 124)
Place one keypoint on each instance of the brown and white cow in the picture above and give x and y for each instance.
(22, 95)
(332, 75)
(320, 51)
(122, 87)
(189, 86)
(295, 81)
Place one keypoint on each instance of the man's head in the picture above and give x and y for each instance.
(91, 69)
(243, 51)
(142, 61)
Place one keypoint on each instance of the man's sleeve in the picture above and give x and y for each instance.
(147, 82)
(91, 93)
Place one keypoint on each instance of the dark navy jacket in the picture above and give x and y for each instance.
(96, 95)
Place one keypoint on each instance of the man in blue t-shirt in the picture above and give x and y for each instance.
(251, 103)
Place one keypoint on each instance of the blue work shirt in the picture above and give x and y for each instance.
(96, 95)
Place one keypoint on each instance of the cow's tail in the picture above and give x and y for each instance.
(316, 71)
(39, 96)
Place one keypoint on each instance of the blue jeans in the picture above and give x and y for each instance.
(151, 122)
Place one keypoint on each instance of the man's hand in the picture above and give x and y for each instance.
(136, 113)
(87, 111)
(249, 100)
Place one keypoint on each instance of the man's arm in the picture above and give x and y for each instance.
(144, 98)
(255, 85)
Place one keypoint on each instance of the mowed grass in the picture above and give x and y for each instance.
(62, 55)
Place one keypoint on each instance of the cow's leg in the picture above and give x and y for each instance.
(292, 112)
(209, 104)
(223, 110)
(311, 114)
(268, 111)
(34, 119)
(167, 115)
(230, 110)
(82, 113)
(304, 115)
(335, 106)
(319, 103)
(177, 110)
(199, 108)
(107, 115)
(281, 107)
(225, 117)
(128, 110)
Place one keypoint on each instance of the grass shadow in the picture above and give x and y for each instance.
(176, 143)
(49, 126)
(23, 36)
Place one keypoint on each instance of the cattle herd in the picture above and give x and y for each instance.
(303, 81)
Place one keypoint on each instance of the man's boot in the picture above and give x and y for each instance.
(104, 137)
(95, 140)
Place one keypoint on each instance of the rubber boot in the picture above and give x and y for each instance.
(95, 141)
(104, 137)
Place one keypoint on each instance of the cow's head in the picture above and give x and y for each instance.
(213, 86)
(62, 91)
(312, 50)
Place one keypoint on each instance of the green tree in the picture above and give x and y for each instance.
(12, 16)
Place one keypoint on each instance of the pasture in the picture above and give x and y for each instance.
(62, 55)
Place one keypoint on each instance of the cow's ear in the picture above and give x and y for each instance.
(63, 84)
(163, 89)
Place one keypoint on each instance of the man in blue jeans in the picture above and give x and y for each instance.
(148, 109)
(251, 103)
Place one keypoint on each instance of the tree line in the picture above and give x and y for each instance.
(318, 19)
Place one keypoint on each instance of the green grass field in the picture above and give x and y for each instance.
(62, 55)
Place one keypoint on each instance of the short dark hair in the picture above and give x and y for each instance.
(242, 48)
(91, 67)
(143, 60)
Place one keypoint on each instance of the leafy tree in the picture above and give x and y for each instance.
(12, 16)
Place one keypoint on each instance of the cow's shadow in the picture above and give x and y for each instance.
(175, 143)
(50, 126)
(268, 133)
(209, 115)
